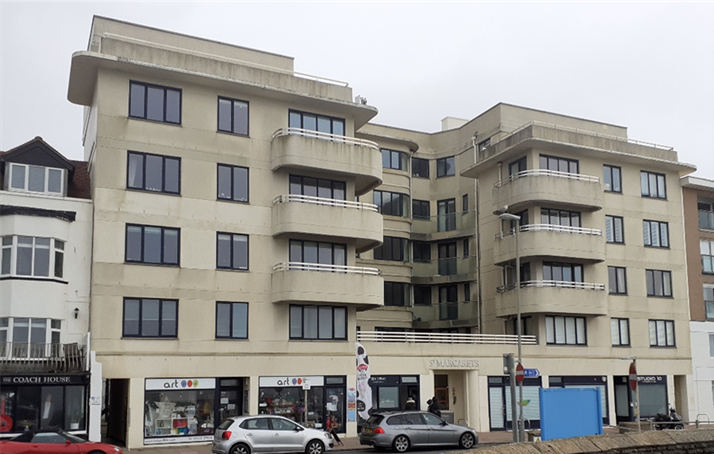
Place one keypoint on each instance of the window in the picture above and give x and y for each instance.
(447, 259)
(46, 180)
(517, 166)
(153, 102)
(420, 209)
(422, 295)
(393, 249)
(319, 123)
(711, 345)
(231, 251)
(448, 302)
(620, 332)
(614, 229)
(565, 330)
(155, 173)
(318, 323)
(421, 251)
(612, 178)
(445, 167)
(562, 272)
(560, 217)
(20, 330)
(231, 320)
(659, 283)
(483, 144)
(150, 244)
(396, 294)
(527, 328)
(318, 253)
(446, 210)
(467, 292)
(653, 185)
(318, 187)
(465, 203)
(662, 333)
(465, 244)
(392, 203)
(33, 256)
(655, 233)
(617, 280)
(706, 247)
(420, 168)
(232, 183)
(146, 317)
(233, 116)
(559, 164)
(395, 160)
(706, 214)
(709, 301)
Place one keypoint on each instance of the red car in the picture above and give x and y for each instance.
(54, 442)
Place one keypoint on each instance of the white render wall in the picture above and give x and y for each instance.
(703, 371)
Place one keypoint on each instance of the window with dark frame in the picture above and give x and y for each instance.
(617, 279)
(395, 160)
(557, 164)
(659, 283)
(154, 173)
(448, 302)
(561, 330)
(560, 217)
(446, 167)
(315, 122)
(612, 177)
(562, 272)
(396, 294)
(446, 212)
(318, 323)
(152, 245)
(420, 168)
(149, 317)
(154, 102)
(320, 253)
(421, 251)
(231, 251)
(422, 295)
(318, 187)
(465, 203)
(391, 203)
(233, 116)
(708, 291)
(706, 249)
(232, 183)
(420, 209)
(653, 185)
(517, 166)
(655, 233)
(467, 292)
(662, 333)
(466, 249)
(620, 328)
(447, 258)
(526, 326)
(614, 229)
(393, 248)
(231, 320)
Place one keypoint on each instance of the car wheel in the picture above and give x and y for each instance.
(401, 443)
(314, 447)
(240, 449)
(467, 440)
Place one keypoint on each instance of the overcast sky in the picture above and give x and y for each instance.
(646, 66)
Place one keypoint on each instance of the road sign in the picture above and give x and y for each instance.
(531, 373)
(519, 373)
(633, 376)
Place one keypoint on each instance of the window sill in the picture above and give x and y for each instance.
(664, 199)
(235, 134)
(160, 265)
(148, 191)
(663, 346)
(154, 121)
(615, 242)
(232, 269)
(231, 338)
(148, 338)
(656, 247)
(622, 346)
(617, 294)
(666, 297)
(566, 345)
(316, 340)
(419, 176)
(613, 192)
(243, 202)
(445, 176)
(33, 278)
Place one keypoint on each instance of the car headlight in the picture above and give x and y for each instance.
(328, 436)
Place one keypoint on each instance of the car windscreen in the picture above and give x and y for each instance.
(375, 420)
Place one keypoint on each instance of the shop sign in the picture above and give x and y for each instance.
(164, 440)
(384, 380)
(291, 381)
(178, 384)
(650, 379)
(351, 405)
(453, 363)
(43, 379)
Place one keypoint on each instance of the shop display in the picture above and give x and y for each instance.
(176, 413)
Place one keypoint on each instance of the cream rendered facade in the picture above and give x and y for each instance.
(458, 355)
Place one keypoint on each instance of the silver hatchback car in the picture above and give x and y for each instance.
(268, 433)
(403, 430)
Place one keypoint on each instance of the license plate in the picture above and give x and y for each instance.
(368, 431)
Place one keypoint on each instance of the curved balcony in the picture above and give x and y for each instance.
(540, 186)
(328, 217)
(550, 241)
(553, 297)
(312, 283)
(304, 149)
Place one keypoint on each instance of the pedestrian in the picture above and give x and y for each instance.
(410, 405)
(434, 406)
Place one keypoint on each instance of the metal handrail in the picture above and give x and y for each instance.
(697, 422)
(445, 338)
(24, 356)
(325, 136)
(287, 198)
(303, 266)
(550, 228)
(556, 284)
(546, 173)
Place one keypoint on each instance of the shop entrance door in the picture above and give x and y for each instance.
(230, 398)
(117, 407)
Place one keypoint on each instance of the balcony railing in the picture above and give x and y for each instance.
(550, 228)
(444, 338)
(706, 220)
(302, 266)
(325, 136)
(556, 284)
(41, 357)
(461, 220)
(324, 201)
(546, 173)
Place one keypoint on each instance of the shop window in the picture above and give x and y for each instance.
(659, 283)
(145, 317)
(231, 251)
(32, 256)
(153, 173)
(420, 168)
(395, 160)
(446, 167)
(315, 122)
(29, 178)
(612, 177)
(662, 333)
(392, 203)
(152, 245)
(318, 187)
(233, 116)
(655, 233)
(154, 102)
(179, 413)
(232, 183)
(653, 185)
(231, 320)
(318, 323)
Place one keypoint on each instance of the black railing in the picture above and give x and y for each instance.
(41, 357)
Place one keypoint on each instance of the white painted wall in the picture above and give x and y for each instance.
(702, 371)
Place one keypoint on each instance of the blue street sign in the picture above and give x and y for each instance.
(531, 373)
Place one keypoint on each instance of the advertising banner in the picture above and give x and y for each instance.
(364, 391)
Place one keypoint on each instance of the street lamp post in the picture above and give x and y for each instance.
(512, 217)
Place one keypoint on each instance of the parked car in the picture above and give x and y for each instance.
(53, 442)
(406, 429)
(268, 433)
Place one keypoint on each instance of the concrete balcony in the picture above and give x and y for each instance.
(328, 217)
(312, 283)
(445, 270)
(452, 314)
(302, 149)
(550, 241)
(444, 338)
(553, 297)
(548, 187)
(444, 226)
(24, 357)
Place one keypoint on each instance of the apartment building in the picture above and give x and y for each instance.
(698, 196)
(45, 233)
(251, 225)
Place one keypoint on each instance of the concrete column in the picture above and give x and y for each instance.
(612, 413)
(94, 418)
(483, 410)
(135, 416)
(254, 393)
(472, 399)
(426, 389)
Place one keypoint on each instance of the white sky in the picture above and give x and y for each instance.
(647, 66)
